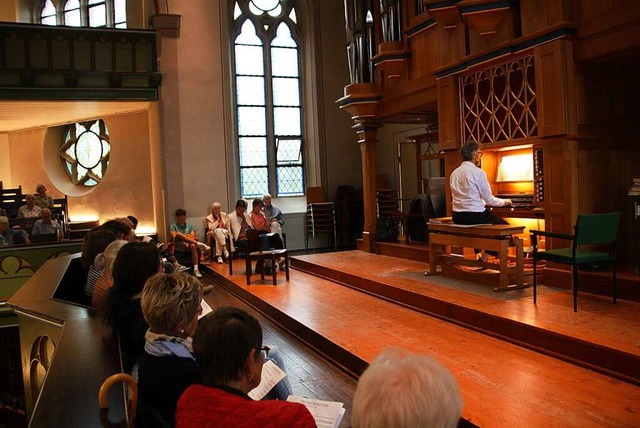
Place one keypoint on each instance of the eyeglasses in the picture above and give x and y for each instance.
(265, 351)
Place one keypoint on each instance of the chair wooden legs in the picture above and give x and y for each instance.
(535, 280)
(574, 286)
(615, 285)
(286, 265)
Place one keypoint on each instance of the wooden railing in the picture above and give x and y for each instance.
(44, 62)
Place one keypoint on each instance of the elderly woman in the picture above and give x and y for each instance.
(104, 263)
(218, 231)
(228, 348)
(405, 390)
(7, 234)
(41, 198)
(30, 209)
(95, 242)
(171, 304)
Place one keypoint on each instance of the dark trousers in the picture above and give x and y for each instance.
(268, 240)
(485, 217)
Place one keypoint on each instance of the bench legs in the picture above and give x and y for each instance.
(500, 245)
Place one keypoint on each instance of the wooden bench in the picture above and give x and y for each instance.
(496, 237)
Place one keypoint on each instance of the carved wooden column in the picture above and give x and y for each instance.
(361, 101)
(367, 138)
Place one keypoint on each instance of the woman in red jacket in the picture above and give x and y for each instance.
(228, 348)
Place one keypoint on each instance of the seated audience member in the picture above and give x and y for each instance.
(184, 238)
(239, 222)
(30, 209)
(46, 225)
(228, 348)
(94, 243)
(41, 198)
(135, 263)
(273, 214)
(217, 231)
(404, 390)
(134, 226)
(262, 225)
(7, 234)
(122, 227)
(104, 263)
(171, 306)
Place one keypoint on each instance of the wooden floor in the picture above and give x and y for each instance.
(310, 374)
(503, 383)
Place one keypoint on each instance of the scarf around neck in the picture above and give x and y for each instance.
(163, 345)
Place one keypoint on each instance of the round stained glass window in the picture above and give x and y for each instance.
(85, 152)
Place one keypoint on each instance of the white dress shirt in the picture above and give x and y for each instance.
(470, 189)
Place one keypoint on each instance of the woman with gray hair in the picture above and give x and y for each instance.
(171, 304)
(41, 198)
(218, 231)
(404, 390)
(7, 234)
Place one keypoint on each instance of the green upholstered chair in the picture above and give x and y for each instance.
(590, 229)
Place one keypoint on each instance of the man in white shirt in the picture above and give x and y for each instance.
(30, 209)
(471, 192)
(46, 225)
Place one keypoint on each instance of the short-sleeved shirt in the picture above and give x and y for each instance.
(6, 238)
(26, 212)
(185, 230)
(41, 228)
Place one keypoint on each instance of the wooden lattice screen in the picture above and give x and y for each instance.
(499, 103)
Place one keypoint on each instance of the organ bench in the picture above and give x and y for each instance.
(498, 237)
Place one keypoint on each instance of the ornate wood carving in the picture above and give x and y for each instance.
(499, 103)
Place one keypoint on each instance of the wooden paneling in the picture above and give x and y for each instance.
(448, 113)
(507, 29)
(555, 88)
(559, 167)
(536, 17)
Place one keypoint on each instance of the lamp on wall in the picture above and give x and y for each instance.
(515, 168)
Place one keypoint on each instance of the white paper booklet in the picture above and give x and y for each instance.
(205, 308)
(327, 414)
(271, 375)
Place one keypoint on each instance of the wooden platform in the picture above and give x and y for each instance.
(517, 364)
(559, 276)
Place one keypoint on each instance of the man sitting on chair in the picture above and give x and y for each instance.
(239, 222)
(273, 214)
(46, 225)
(184, 237)
(30, 209)
(470, 191)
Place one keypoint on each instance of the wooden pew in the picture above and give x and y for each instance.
(496, 237)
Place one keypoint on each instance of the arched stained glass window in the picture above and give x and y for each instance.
(269, 128)
(85, 13)
(85, 152)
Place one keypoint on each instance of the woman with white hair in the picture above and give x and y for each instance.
(41, 198)
(218, 231)
(104, 262)
(7, 234)
(404, 390)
